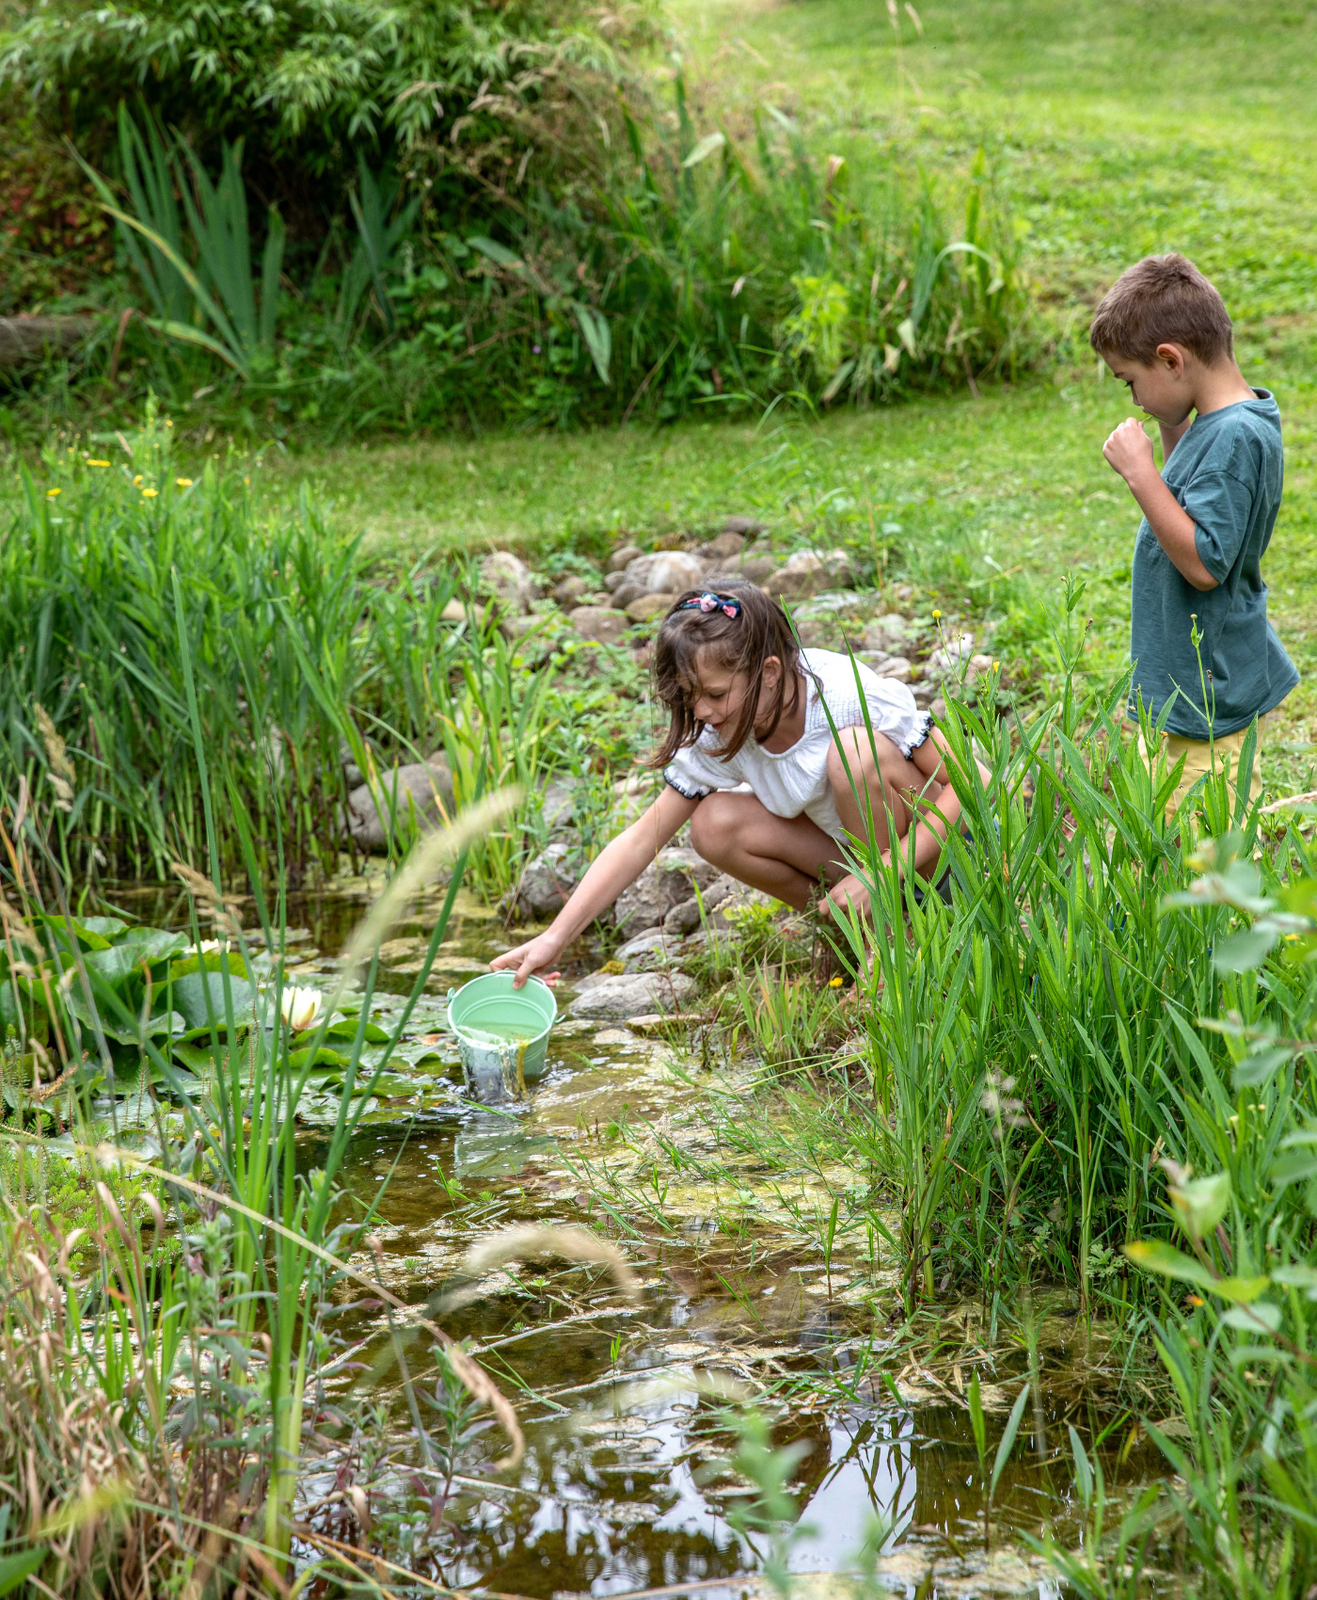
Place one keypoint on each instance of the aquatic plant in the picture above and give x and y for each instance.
(303, 659)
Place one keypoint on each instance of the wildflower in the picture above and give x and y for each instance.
(1194, 1300)
(183, 483)
(211, 947)
(51, 493)
(92, 463)
(137, 480)
(149, 494)
(937, 616)
(834, 983)
(300, 1008)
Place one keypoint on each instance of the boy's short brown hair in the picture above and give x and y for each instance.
(1162, 300)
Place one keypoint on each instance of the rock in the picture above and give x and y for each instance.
(887, 633)
(905, 592)
(683, 918)
(645, 606)
(666, 882)
(508, 577)
(558, 806)
(873, 659)
(627, 994)
(622, 557)
(614, 581)
(624, 594)
(726, 547)
(977, 666)
(746, 526)
(648, 952)
(598, 624)
(756, 569)
(925, 693)
(674, 571)
(808, 572)
(665, 572)
(896, 667)
(938, 709)
(569, 590)
(454, 611)
(514, 627)
(837, 602)
(546, 882)
(814, 633)
(413, 790)
(946, 661)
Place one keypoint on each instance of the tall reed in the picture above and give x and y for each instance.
(116, 569)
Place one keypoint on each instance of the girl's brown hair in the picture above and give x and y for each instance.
(743, 644)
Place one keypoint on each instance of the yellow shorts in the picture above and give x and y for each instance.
(1202, 758)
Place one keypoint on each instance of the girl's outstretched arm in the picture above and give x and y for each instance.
(615, 868)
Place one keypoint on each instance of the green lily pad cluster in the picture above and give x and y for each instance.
(102, 1007)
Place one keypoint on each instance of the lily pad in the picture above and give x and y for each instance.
(298, 1059)
(199, 996)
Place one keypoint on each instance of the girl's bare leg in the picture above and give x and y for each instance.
(783, 856)
(880, 780)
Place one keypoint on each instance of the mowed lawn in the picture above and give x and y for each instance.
(1112, 131)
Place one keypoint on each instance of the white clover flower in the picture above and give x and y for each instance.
(301, 1008)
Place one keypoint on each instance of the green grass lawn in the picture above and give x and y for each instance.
(1114, 131)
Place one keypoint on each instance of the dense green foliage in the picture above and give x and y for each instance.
(309, 82)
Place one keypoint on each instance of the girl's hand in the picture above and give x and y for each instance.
(846, 892)
(532, 957)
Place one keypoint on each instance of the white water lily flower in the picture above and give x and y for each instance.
(301, 1008)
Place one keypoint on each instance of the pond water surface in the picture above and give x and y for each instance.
(624, 1485)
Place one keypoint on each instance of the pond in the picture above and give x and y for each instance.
(625, 1485)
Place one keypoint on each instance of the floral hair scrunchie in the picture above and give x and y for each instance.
(712, 602)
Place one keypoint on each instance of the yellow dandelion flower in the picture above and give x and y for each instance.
(92, 463)
(137, 480)
(51, 493)
(183, 483)
(149, 494)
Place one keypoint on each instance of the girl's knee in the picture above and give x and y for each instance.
(714, 826)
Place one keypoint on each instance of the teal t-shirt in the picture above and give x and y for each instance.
(1227, 472)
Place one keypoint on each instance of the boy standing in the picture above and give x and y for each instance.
(1207, 516)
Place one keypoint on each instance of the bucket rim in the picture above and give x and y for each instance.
(455, 994)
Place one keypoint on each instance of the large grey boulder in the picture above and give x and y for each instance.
(508, 577)
(668, 881)
(646, 951)
(633, 994)
(404, 792)
(547, 881)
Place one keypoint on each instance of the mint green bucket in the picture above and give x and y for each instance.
(502, 1033)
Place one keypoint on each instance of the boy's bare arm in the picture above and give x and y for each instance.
(1129, 452)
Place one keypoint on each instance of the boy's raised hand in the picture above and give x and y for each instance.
(1128, 450)
(529, 958)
